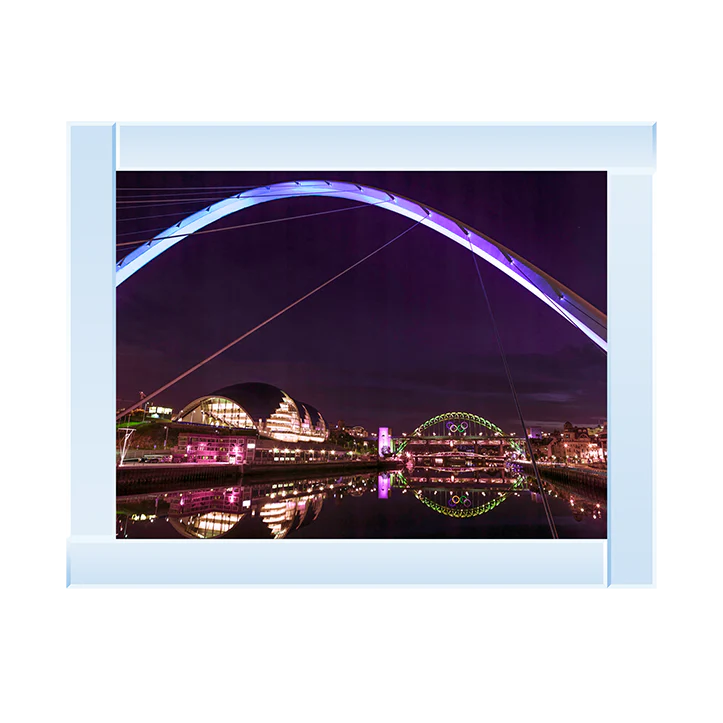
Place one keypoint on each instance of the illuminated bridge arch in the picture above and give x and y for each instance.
(565, 302)
(455, 418)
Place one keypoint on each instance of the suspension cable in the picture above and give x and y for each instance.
(545, 501)
(181, 193)
(179, 188)
(123, 205)
(246, 225)
(128, 219)
(139, 403)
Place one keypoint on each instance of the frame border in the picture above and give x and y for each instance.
(625, 150)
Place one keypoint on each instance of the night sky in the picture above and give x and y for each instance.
(397, 340)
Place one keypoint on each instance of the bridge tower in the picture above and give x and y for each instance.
(386, 446)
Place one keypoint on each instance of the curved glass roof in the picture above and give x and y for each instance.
(258, 399)
(270, 410)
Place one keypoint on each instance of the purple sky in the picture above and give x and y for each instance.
(402, 337)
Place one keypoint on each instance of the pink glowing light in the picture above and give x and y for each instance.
(384, 484)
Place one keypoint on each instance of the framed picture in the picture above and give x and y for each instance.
(361, 354)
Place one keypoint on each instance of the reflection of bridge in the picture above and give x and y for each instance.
(457, 475)
(470, 499)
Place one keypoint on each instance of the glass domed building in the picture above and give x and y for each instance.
(261, 407)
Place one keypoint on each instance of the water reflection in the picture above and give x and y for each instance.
(263, 510)
(586, 500)
(386, 505)
(283, 517)
(458, 497)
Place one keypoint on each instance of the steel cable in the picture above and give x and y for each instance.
(545, 501)
(139, 403)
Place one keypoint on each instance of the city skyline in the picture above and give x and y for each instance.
(404, 336)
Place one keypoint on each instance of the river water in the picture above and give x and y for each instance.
(391, 505)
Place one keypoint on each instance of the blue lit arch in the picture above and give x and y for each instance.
(591, 321)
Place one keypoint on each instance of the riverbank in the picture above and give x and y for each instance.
(145, 478)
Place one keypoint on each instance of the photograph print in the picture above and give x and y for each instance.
(367, 355)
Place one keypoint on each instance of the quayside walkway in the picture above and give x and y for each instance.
(156, 477)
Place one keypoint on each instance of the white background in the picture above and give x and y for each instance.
(345, 654)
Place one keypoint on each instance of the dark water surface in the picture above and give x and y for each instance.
(376, 506)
